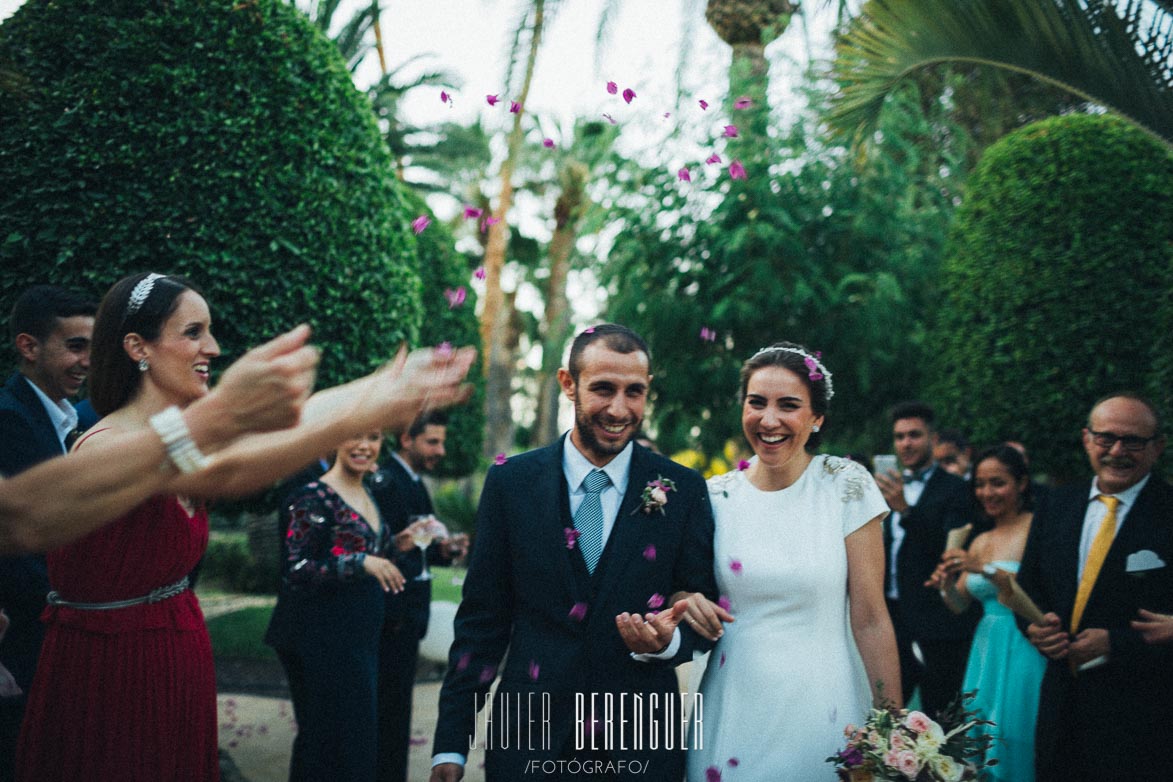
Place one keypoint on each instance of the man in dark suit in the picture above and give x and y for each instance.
(573, 541)
(50, 328)
(400, 494)
(926, 503)
(1098, 552)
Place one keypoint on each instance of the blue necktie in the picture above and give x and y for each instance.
(588, 520)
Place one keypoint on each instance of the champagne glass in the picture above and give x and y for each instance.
(422, 534)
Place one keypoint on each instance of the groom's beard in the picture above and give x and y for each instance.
(585, 426)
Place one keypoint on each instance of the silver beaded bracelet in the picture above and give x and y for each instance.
(181, 449)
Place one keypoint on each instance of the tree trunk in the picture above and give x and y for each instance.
(494, 321)
(499, 423)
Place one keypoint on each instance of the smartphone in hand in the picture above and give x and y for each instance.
(883, 462)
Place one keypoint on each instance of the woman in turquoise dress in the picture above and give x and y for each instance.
(1004, 669)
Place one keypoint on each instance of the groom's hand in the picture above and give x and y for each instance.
(651, 633)
(447, 772)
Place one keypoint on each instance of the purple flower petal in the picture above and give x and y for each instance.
(683, 175)
(444, 349)
(571, 535)
(704, 104)
(735, 566)
(473, 213)
(629, 95)
(499, 459)
(730, 131)
(610, 119)
(491, 100)
(479, 273)
(712, 774)
(733, 762)
(612, 87)
(578, 611)
(743, 465)
(464, 660)
(736, 170)
(455, 296)
(721, 662)
(488, 673)
(650, 553)
(548, 143)
(713, 158)
(707, 334)
(655, 601)
(742, 103)
(514, 107)
(534, 669)
(420, 223)
(488, 222)
(725, 602)
(445, 97)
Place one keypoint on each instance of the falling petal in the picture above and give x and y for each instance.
(629, 95)
(655, 601)
(489, 221)
(455, 297)
(736, 170)
(491, 100)
(704, 104)
(548, 143)
(712, 774)
(464, 660)
(534, 668)
(683, 175)
(571, 536)
(418, 741)
(730, 131)
(733, 762)
(488, 673)
(420, 223)
(707, 334)
(445, 97)
(612, 88)
(742, 103)
(721, 663)
(735, 566)
(725, 602)
(444, 350)
(713, 158)
(590, 330)
(472, 213)
(578, 611)
(610, 119)
(499, 459)
(667, 114)
(812, 369)
(743, 465)
(650, 553)
(479, 273)
(514, 107)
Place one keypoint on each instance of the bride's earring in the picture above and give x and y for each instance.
(815, 428)
(143, 364)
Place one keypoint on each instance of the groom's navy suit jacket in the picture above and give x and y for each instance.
(1128, 703)
(522, 586)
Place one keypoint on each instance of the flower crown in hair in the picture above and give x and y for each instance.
(814, 367)
(138, 296)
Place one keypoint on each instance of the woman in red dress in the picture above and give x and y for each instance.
(125, 690)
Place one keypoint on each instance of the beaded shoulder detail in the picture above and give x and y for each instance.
(848, 477)
(721, 485)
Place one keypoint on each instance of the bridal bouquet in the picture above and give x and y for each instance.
(898, 744)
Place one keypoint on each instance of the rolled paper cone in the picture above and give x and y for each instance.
(1011, 595)
(957, 536)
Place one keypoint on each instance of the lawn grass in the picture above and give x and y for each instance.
(238, 634)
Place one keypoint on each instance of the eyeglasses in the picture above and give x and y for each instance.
(1129, 442)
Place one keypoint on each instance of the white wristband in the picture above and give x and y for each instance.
(181, 449)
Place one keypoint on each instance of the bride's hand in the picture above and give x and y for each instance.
(703, 615)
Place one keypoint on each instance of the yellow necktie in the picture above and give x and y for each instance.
(1095, 559)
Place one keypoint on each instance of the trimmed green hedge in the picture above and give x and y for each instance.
(219, 139)
(1058, 280)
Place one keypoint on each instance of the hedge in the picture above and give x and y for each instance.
(1058, 274)
(219, 139)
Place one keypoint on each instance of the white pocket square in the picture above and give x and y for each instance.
(1143, 560)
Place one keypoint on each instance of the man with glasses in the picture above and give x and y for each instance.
(1098, 552)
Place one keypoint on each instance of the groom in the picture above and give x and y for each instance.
(573, 543)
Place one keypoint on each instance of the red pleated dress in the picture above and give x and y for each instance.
(129, 694)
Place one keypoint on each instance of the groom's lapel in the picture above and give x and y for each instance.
(624, 539)
(552, 492)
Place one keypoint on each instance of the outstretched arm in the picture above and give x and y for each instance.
(870, 624)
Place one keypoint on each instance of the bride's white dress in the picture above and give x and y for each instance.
(786, 677)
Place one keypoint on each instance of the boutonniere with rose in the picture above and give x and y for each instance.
(655, 495)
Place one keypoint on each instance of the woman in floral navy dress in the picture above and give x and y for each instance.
(329, 614)
(125, 690)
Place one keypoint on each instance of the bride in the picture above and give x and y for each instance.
(799, 556)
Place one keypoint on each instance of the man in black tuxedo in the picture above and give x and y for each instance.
(400, 494)
(50, 328)
(926, 503)
(1098, 553)
(573, 541)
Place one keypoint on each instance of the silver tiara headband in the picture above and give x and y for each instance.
(814, 367)
(138, 296)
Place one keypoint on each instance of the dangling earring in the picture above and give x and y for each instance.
(143, 364)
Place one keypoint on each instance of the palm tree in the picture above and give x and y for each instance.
(1113, 53)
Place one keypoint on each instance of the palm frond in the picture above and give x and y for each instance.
(1116, 54)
